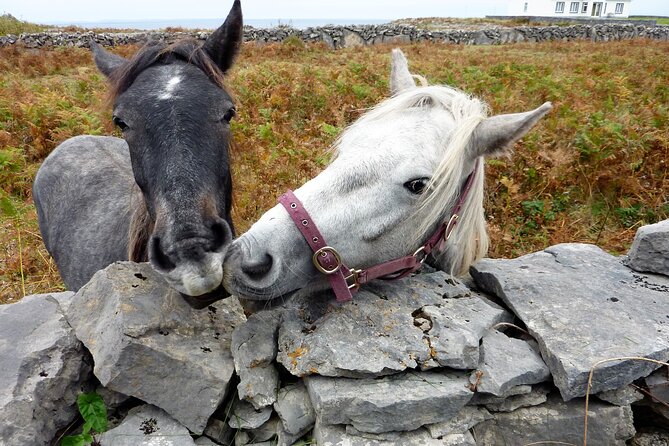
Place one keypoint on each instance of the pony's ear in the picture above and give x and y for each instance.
(223, 44)
(400, 77)
(497, 134)
(106, 62)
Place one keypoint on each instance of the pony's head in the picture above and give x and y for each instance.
(398, 173)
(174, 112)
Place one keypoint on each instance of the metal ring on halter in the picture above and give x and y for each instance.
(421, 250)
(450, 226)
(324, 252)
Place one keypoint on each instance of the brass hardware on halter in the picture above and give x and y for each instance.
(450, 226)
(420, 251)
(352, 279)
(323, 252)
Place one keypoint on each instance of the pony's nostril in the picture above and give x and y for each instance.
(256, 268)
(157, 257)
(222, 235)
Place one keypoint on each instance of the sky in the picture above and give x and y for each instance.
(58, 11)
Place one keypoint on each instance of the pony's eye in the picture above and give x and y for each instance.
(230, 114)
(118, 122)
(416, 186)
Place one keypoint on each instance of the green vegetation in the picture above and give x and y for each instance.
(658, 20)
(593, 170)
(94, 412)
(12, 25)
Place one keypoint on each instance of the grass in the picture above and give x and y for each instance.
(593, 171)
(12, 25)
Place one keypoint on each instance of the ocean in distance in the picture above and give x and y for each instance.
(215, 23)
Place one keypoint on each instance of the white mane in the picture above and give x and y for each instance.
(469, 240)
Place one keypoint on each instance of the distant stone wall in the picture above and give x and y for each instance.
(348, 36)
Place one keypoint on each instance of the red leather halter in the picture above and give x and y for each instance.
(345, 281)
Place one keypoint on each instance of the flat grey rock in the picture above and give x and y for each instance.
(43, 368)
(537, 396)
(259, 385)
(401, 402)
(658, 384)
(219, 431)
(245, 416)
(336, 435)
(457, 328)
(583, 305)
(147, 426)
(417, 322)
(272, 431)
(254, 347)
(507, 362)
(480, 399)
(148, 343)
(652, 438)
(621, 397)
(466, 418)
(558, 421)
(650, 249)
(464, 439)
(295, 409)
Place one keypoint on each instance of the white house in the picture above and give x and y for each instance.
(569, 9)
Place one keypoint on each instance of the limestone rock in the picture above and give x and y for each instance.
(43, 368)
(506, 363)
(583, 306)
(466, 418)
(558, 421)
(294, 408)
(658, 384)
(537, 396)
(147, 426)
(401, 402)
(336, 435)
(651, 438)
(148, 343)
(245, 416)
(621, 397)
(254, 347)
(457, 328)
(650, 249)
(219, 431)
(380, 331)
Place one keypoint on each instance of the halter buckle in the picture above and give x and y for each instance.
(352, 279)
(323, 252)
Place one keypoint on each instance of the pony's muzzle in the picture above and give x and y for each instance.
(193, 266)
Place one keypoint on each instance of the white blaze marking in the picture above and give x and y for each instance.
(170, 87)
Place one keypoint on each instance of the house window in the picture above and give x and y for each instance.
(573, 8)
(559, 7)
(585, 7)
(525, 7)
(619, 8)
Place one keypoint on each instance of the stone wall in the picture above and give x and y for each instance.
(347, 36)
(427, 360)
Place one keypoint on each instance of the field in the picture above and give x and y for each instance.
(593, 171)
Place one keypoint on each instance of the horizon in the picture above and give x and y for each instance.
(53, 12)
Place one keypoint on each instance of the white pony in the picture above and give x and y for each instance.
(396, 176)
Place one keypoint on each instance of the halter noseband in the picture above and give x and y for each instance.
(346, 281)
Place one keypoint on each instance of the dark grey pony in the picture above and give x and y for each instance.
(163, 192)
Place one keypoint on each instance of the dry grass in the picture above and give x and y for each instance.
(593, 171)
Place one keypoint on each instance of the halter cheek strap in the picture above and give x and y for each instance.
(325, 258)
(345, 281)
